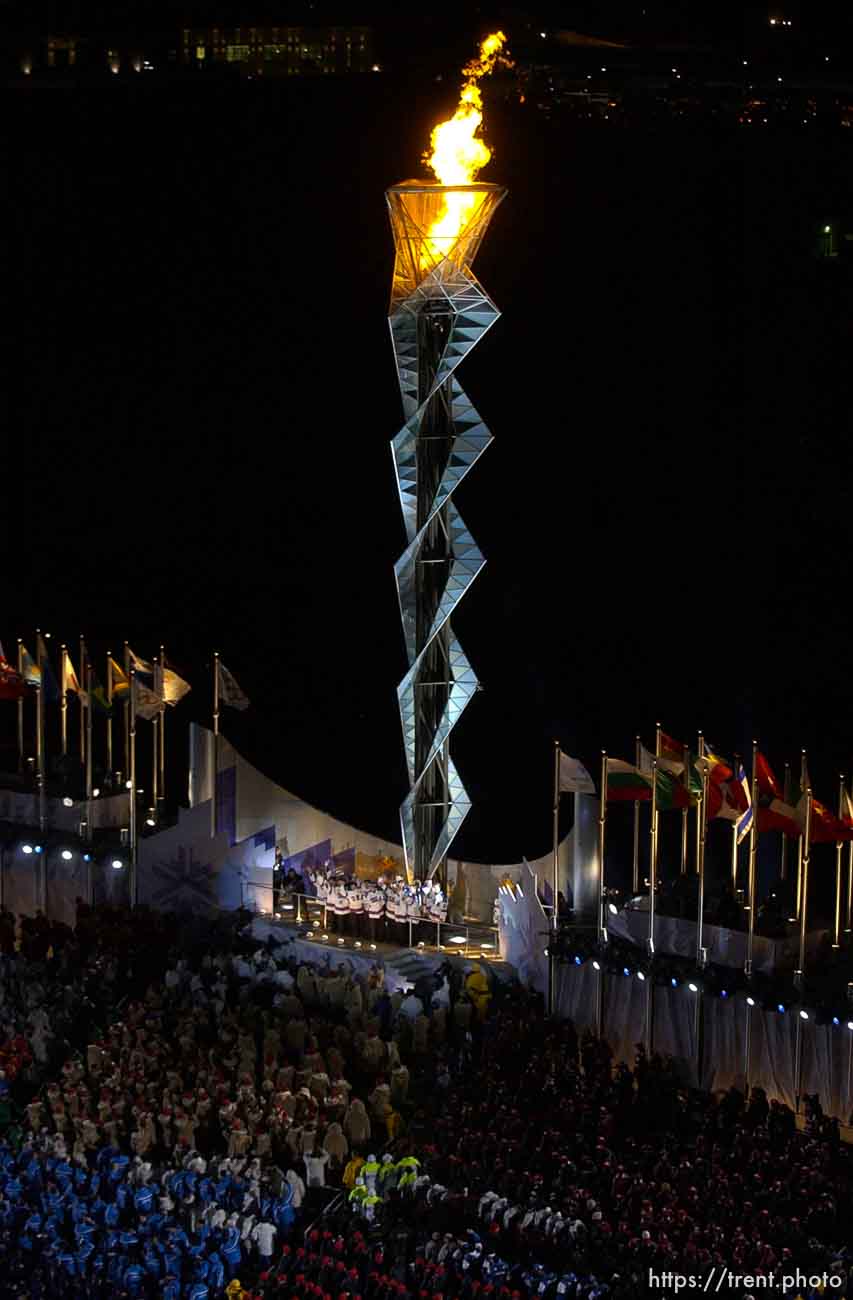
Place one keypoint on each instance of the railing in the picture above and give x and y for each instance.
(468, 937)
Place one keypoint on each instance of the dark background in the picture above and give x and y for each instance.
(202, 394)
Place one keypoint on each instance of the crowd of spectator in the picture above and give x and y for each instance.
(213, 1117)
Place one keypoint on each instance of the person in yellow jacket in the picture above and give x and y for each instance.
(358, 1194)
(234, 1290)
(393, 1124)
(351, 1172)
(477, 988)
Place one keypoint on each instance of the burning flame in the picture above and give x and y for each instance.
(458, 153)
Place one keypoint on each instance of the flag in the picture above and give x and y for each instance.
(772, 813)
(98, 696)
(49, 684)
(229, 691)
(12, 684)
(627, 783)
(718, 769)
(142, 666)
(671, 755)
(121, 682)
(30, 670)
(826, 828)
(744, 822)
(848, 807)
(147, 702)
(174, 687)
(69, 677)
(671, 794)
(767, 783)
(574, 776)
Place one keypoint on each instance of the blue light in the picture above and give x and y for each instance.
(724, 993)
(87, 857)
(780, 1008)
(578, 961)
(674, 982)
(625, 970)
(835, 1020)
(37, 849)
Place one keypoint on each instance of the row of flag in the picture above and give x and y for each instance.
(156, 683)
(676, 775)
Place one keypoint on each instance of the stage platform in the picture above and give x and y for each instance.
(402, 965)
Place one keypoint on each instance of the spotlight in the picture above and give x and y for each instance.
(596, 965)
(804, 1015)
(116, 864)
(750, 1002)
(67, 803)
(613, 908)
(625, 970)
(674, 982)
(641, 977)
(95, 792)
(578, 960)
(694, 988)
(780, 1007)
(37, 849)
(26, 848)
(835, 1020)
(724, 993)
(87, 857)
(850, 1024)
(67, 855)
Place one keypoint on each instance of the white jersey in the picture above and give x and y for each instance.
(355, 899)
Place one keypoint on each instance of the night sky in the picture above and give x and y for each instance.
(202, 394)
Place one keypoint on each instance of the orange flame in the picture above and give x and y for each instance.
(458, 153)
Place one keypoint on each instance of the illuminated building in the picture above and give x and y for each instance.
(280, 51)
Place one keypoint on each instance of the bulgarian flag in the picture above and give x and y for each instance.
(626, 783)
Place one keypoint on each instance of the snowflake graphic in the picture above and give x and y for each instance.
(184, 882)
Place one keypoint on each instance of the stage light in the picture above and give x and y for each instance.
(37, 849)
(827, 230)
(421, 944)
(613, 908)
(457, 938)
(750, 1002)
(341, 942)
(546, 951)
(324, 936)
(128, 785)
(578, 960)
(67, 803)
(150, 821)
(358, 943)
(674, 982)
(116, 864)
(641, 977)
(87, 857)
(596, 965)
(835, 1020)
(694, 988)
(277, 915)
(26, 848)
(724, 993)
(850, 1024)
(625, 970)
(804, 1015)
(780, 1007)
(373, 947)
(67, 855)
(95, 793)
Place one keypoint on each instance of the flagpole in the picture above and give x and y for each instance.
(753, 858)
(799, 886)
(88, 680)
(80, 699)
(155, 745)
(215, 742)
(636, 860)
(849, 887)
(110, 715)
(20, 709)
(131, 707)
(653, 875)
(552, 964)
(127, 711)
(685, 811)
(783, 866)
(162, 758)
(700, 857)
(700, 750)
(799, 975)
(40, 745)
(63, 703)
(601, 927)
(839, 868)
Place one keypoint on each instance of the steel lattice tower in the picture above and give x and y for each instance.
(438, 312)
